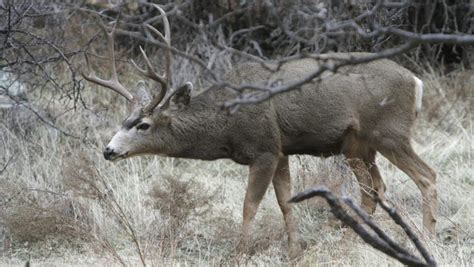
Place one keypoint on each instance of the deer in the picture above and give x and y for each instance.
(359, 111)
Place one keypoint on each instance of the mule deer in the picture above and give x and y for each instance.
(358, 111)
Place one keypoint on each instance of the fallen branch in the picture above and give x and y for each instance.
(378, 239)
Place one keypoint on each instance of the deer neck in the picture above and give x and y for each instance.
(197, 134)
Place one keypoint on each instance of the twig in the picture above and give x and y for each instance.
(6, 165)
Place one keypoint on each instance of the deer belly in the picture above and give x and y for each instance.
(312, 145)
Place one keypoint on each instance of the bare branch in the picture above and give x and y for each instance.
(379, 240)
(397, 219)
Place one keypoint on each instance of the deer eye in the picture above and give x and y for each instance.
(143, 126)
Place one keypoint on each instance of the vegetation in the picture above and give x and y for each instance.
(61, 203)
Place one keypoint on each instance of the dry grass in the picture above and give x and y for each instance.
(61, 203)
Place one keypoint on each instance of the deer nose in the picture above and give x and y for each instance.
(109, 153)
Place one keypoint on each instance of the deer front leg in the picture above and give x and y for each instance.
(260, 175)
(282, 186)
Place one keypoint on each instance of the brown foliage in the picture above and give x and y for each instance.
(179, 201)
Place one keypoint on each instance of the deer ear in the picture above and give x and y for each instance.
(182, 96)
(142, 93)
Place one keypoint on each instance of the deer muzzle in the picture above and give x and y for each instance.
(109, 154)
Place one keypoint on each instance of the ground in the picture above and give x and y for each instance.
(62, 204)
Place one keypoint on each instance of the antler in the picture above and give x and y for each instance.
(113, 83)
(165, 79)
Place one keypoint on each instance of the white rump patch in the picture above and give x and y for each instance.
(418, 94)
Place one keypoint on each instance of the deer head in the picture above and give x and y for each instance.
(146, 129)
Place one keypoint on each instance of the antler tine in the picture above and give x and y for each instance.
(113, 83)
(150, 73)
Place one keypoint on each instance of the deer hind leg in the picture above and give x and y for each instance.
(378, 183)
(282, 186)
(404, 157)
(361, 159)
(261, 172)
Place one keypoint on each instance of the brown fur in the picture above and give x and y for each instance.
(358, 111)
